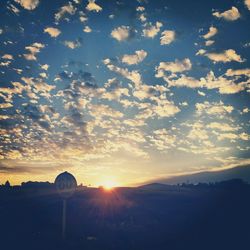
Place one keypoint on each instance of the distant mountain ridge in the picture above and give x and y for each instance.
(240, 172)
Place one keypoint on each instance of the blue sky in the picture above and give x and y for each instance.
(123, 91)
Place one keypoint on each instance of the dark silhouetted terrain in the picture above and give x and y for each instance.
(239, 172)
(150, 217)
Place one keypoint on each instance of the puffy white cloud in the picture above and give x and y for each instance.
(121, 33)
(229, 15)
(212, 32)
(168, 36)
(64, 10)
(134, 76)
(222, 126)
(163, 139)
(138, 57)
(162, 108)
(87, 29)
(82, 17)
(140, 9)
(5, 105)
(92, 6)
(45, 66)
(53, 32)
(101, 110)
(148, 91)
(226, 56)
(33, 49)
(184, 81)
(201, 52)
(7, 57)
(238, 72)
(201, 93)
(198, 132)
(247, 3)
(28, 4)
(135, 122)
(223, 83)
(173, 67)
(151, 30)
(215, 108)
(209, 42)
(113, 91)
(232, 136)
(73, 44)
(142, 18)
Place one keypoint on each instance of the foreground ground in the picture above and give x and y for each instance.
(151, 218)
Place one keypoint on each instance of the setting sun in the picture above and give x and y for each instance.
(109, 184)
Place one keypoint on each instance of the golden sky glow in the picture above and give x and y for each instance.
(119, 93)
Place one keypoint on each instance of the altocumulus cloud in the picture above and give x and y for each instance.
(53, 32)
(28, 4)
(138, 57)
(229, 15)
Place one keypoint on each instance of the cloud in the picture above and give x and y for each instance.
(226, 56)
(7, 57)
(212, 32)
(135, 122)
(4, 168)
(140, 9)
(201, 93)
(28, 4)
(215, 108)
(13, 8)
(233, 136)
(224, 84)
(87, 29)
(209, 42)
(92, 6)
(247, 3)
(33, 49)
(121, 33)
(160, 109)
(198, 132)
(64, 10)
(73, 44)
(229, 15)
(144, 91)
(134, 76)
(222, 126)
(45, 66)
(82, 17)
(38, 86)
(151, 30)
(102, 110)
(238, 72)
(163, 139)
(113, 90)
(173, 67)
(53, 32)
(5, 105)
(168, 36)
(138, 57)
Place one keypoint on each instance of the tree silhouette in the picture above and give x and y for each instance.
(7, 184)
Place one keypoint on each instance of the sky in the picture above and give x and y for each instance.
(123, 92)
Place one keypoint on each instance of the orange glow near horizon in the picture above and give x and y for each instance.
(109, 184)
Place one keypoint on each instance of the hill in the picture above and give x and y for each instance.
(240, 172)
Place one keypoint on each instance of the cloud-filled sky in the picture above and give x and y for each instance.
(123, 91)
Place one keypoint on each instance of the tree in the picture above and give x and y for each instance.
(7, 184)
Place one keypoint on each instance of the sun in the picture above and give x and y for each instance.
(109, 185)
